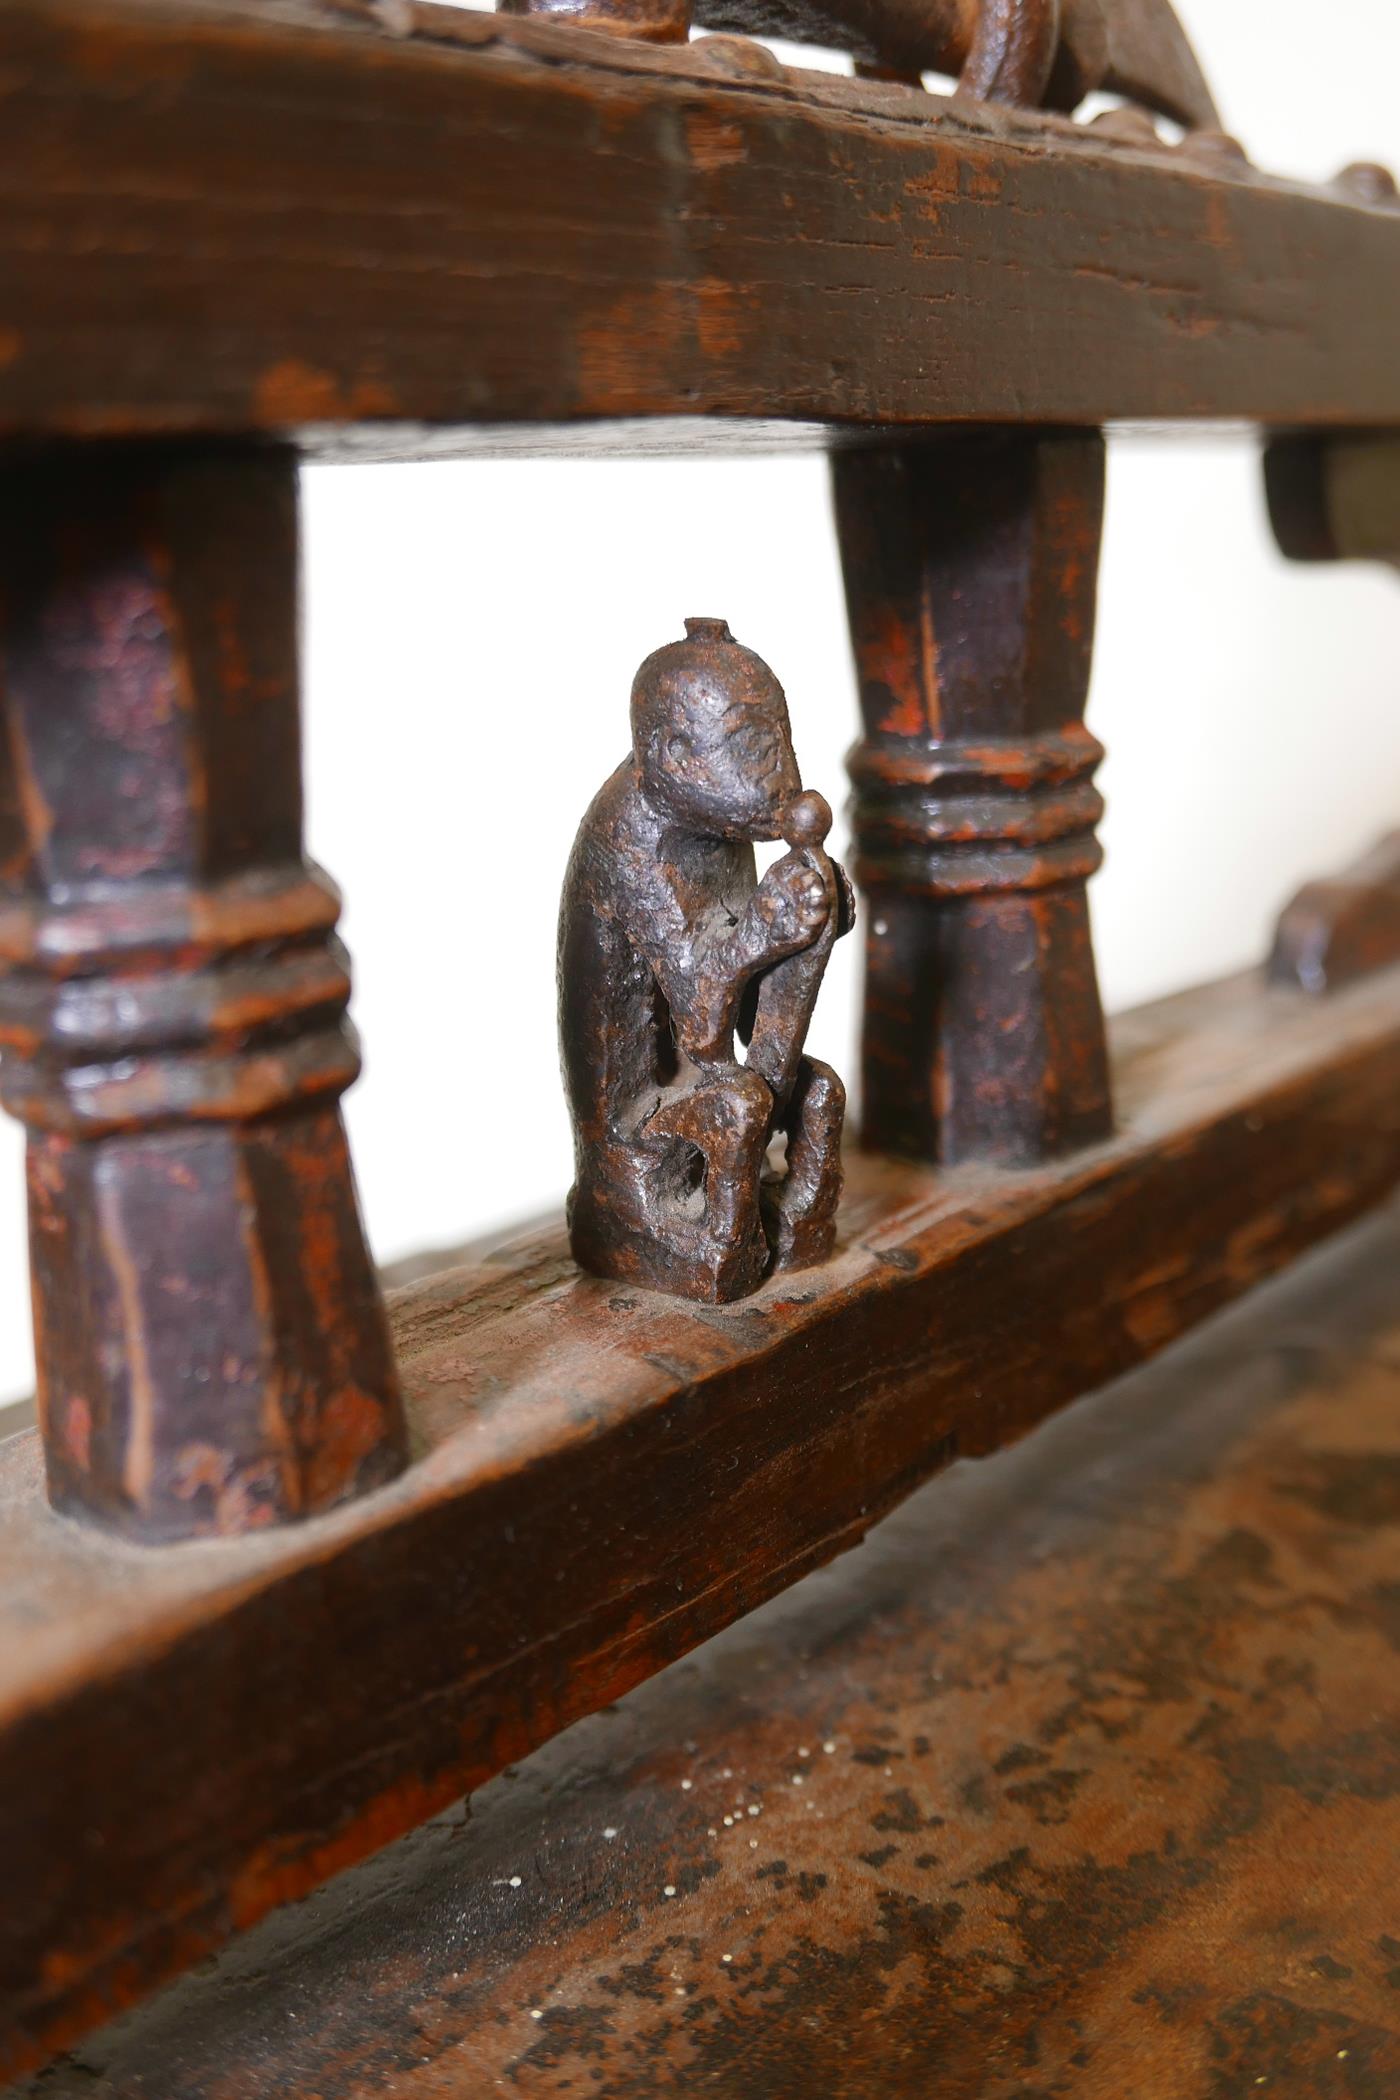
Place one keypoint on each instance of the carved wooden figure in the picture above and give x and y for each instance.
(669, 948)
(213, 1353)
(1027, 52)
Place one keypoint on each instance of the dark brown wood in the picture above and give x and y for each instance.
(1335, 500)
(669, 947)
(1004, 50)
(268, 215)
(1339, 929)
(1011, 51)
(607, 1478)
(971, 570)
(1082, 1777)
(653, 21)
(212, 1348)
(232, 229)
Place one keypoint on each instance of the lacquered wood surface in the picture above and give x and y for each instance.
(1080, 1778)
(605, 1478)
(398, 228)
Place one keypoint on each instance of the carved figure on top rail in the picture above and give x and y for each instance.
(669, 948)
(1028, 53)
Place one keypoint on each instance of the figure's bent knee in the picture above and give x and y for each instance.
(747, 1096)
(725, 1103)
(822, 1087)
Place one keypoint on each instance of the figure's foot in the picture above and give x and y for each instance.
(799, 1211)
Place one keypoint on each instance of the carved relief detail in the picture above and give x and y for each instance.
(953, 819)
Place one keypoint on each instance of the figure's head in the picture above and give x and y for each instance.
(711, 736)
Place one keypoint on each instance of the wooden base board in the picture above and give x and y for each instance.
(1098, 1751)
(191, 1736)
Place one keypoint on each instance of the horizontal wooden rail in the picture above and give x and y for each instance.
(606, 1477)
(270, 215)
(1098, 1750)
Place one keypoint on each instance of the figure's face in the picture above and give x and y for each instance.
(724, 766)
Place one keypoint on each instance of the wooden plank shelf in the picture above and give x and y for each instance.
(273, 216)
(1071, 1727)
(604, 1478)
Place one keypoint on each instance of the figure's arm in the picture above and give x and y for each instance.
(786, 913)
(785, 996)
(703, 969)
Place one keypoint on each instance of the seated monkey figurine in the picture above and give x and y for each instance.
(669, 947)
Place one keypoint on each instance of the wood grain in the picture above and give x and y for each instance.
(605, 1478)
(269, 215)
(211, 1348)
(971, 566)
(1341, 926)
(1099, 1758)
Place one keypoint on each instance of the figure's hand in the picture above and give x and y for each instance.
(791, 906)
(845, 900)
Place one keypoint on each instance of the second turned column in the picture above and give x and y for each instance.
(971, 565)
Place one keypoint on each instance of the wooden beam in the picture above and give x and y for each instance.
(274, 215)
(1335, 498)
(1338, 928)
(604, 1478)
(1099, 1752)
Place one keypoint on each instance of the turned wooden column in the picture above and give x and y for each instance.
(971, 566)
(1336, 497)
(212, 1347)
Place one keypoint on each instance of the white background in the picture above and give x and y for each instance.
(472, 633)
